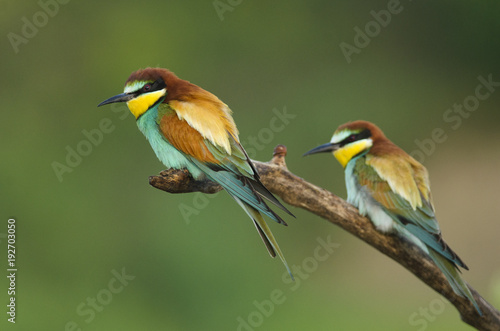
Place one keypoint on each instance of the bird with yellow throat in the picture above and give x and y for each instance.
(190, 128)
(393, 190)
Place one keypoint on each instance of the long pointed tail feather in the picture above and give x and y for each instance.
(453, 276)
(264, 232)
(250, 195)
(266, 241)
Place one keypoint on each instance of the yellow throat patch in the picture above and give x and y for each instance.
(141, 104)
(346, 153)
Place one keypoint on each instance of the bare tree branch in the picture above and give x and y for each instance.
(300, 193)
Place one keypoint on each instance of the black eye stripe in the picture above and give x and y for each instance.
(152, 86)
(355, 137)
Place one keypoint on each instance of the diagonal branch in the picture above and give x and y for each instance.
(300, 193)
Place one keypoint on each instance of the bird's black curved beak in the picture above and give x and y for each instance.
(124, 97)
(328, 147)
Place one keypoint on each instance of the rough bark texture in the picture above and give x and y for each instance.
(299, 193)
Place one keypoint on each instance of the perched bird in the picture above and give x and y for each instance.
(392, 189)
(190, 128)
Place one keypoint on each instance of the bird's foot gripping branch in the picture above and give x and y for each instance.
(300, 193)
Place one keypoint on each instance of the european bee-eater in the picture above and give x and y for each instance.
(392, 189)
(190, 128)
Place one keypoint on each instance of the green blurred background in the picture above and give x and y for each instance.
(209, 270)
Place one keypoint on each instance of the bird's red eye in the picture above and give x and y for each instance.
(351, 138)
(146, 87)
